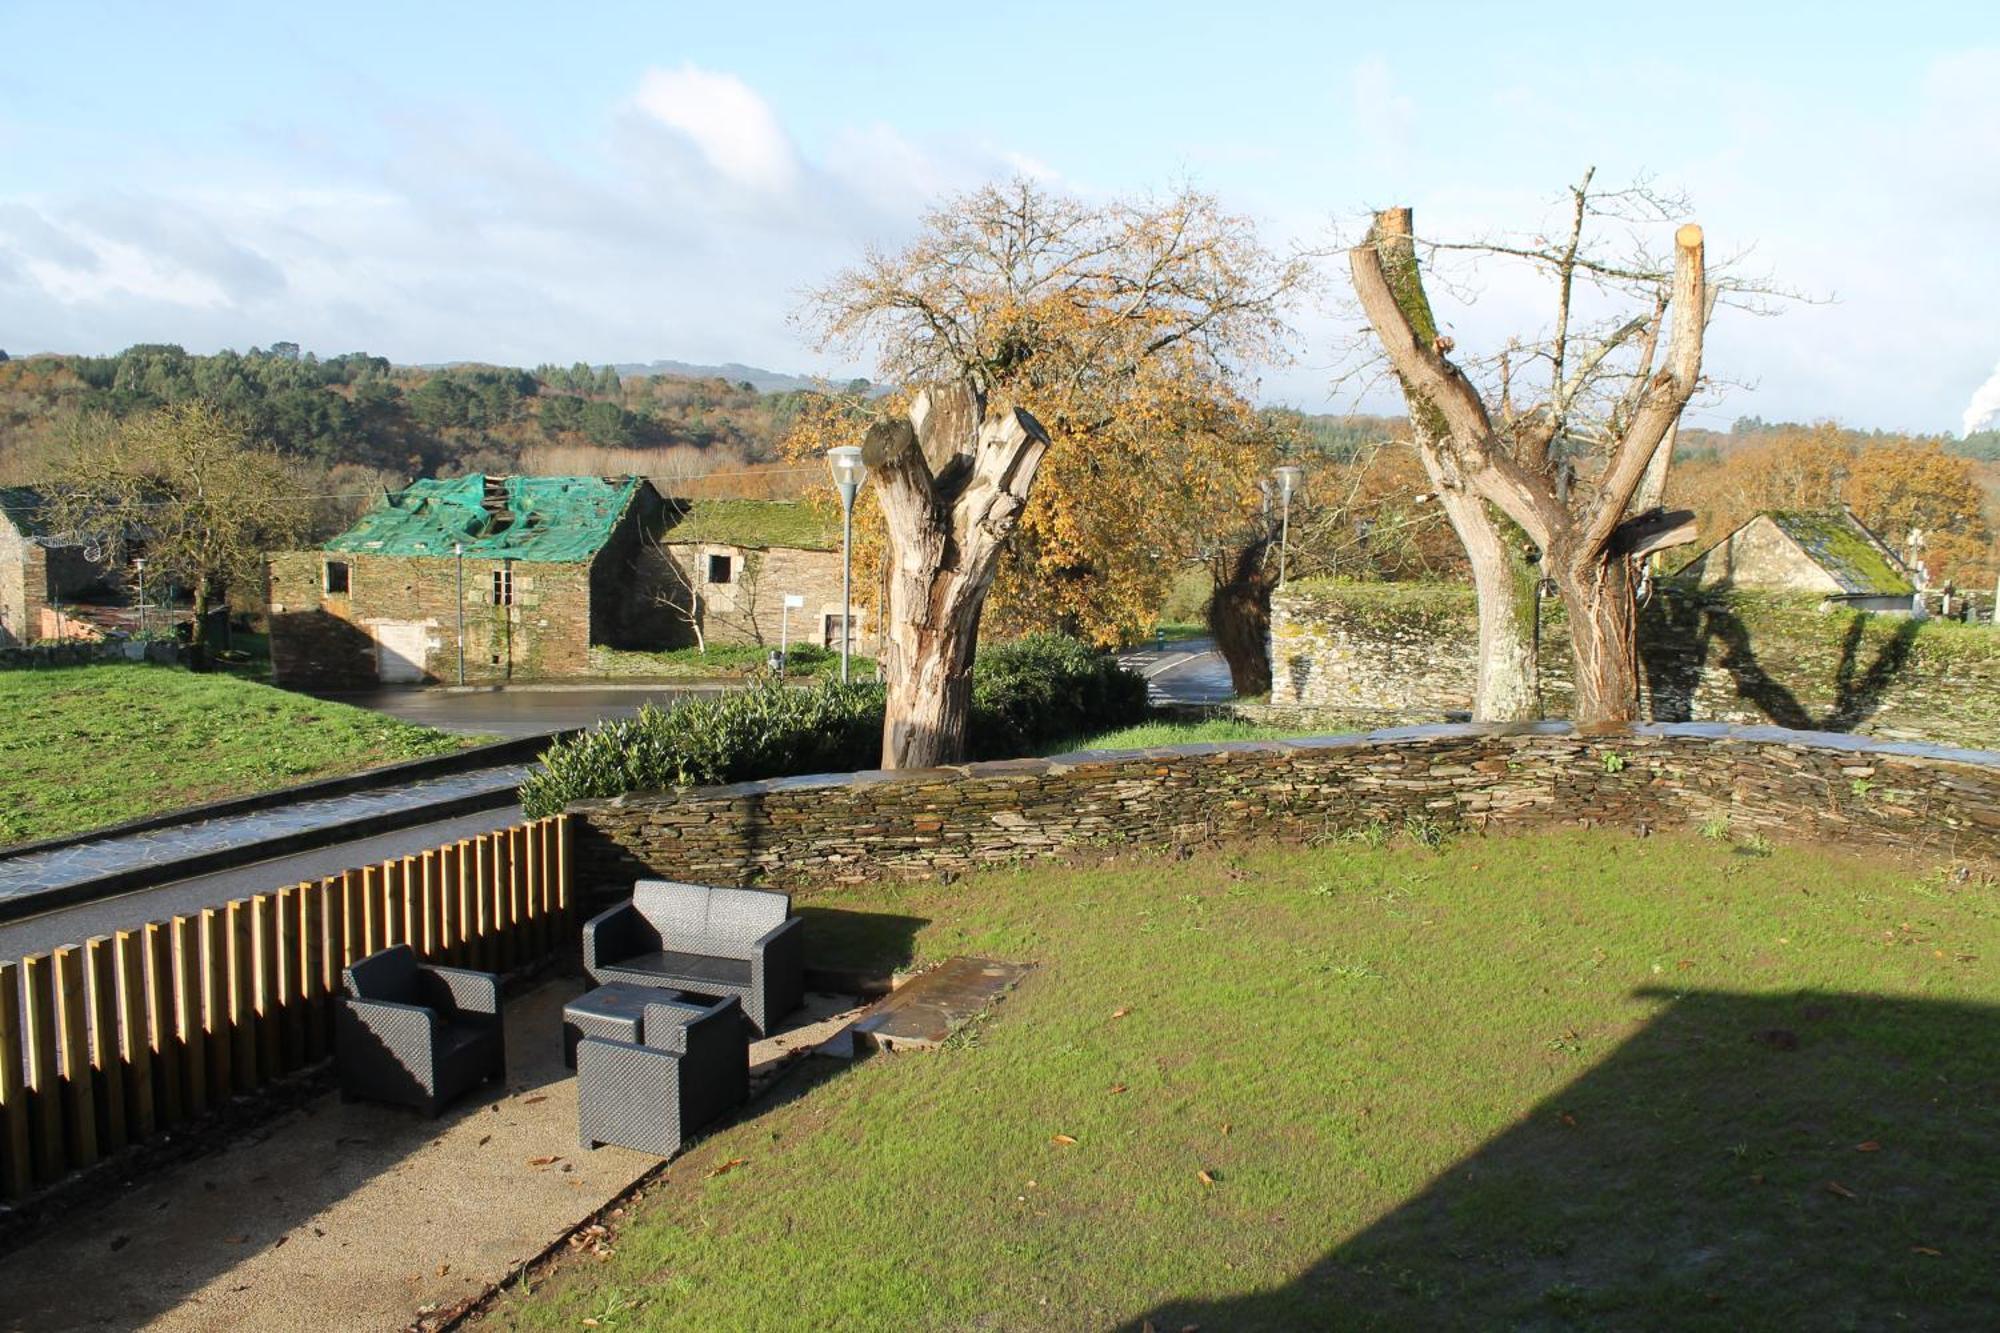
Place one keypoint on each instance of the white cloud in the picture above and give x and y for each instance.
(1984, 409)
(733, 127)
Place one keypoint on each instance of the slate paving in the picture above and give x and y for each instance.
(163, 848)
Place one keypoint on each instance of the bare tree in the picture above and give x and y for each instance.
(1564, 465)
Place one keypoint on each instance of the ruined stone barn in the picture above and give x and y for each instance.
(40, 571)
(736, 561)
(519, 576)
(1830, 553)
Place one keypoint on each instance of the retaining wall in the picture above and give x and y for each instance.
(799, 832)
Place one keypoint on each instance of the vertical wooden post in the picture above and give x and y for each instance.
(371, 911)
(503, 900)
(354, 917)
(411, 877)
(17, 1169)
(191, 987)
(429, 942)
(73, 1047)
(241, 1011)
(565, 899)
(444, 861)
(465, 883)
(291, 970)
(162, 1027)
(135, 1047)
(482, 896)
(314, 902)
(44, 1076)
(100, 1006)
(517, 891)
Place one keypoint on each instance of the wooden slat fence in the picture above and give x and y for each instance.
(109, 1042)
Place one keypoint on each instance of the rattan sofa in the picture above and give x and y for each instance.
(703, 941)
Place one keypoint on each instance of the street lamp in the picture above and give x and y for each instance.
(458, 549)
(848, 474)
(1288, 477)
(139, 563)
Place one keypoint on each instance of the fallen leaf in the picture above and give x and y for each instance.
(538, 1097)
(1869, 1146)
(1835, 1187)
(1117, 1088)
(729, 1166)
(1569, 1119)
(1925, 1249)
(543, 1161)
(1121, 1011)
(1062, 1138)
(1204, 1177)
(281, 1240)
(443, 1269)
(484, 1141)
(238, 1240)
(1226, 1127)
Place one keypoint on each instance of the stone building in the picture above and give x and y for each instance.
(736, 561)
(1832, 554)
(517, 577)
(39, 571)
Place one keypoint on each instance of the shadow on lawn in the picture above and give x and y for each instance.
(1811, 1160)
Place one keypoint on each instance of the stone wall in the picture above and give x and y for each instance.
(750, 607)
(1367, 654)
(799, 832)
(330, 640)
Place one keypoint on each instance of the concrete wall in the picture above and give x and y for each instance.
(849, 828)
(1375, 654)
(748, 608)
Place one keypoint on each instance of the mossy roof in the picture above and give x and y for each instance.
(758, 525)
(1851, 555)
(554, 520)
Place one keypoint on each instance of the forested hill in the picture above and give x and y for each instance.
(358, 410)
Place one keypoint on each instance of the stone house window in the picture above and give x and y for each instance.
(503, 586)
(337, 577)
(719, 568)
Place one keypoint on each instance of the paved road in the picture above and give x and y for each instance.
(69, 924)
(1185, 671)
(520, 710)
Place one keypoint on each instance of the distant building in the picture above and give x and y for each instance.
(41, 572)
(537, 570)
(1832, 554)
(736, 561)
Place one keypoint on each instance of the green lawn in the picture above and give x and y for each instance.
(86, 746)
(1169, 732)
(1574, 1080)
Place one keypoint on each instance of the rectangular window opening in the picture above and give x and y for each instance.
(336, 578)
(503, 586)
(718, 569)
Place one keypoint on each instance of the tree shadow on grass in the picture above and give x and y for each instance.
(1813, 1160)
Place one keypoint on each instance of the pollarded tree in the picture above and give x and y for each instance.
(1107, 340)
(1580, 422)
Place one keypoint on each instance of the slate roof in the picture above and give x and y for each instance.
(554, 520)
(1852, 556)
(23, 507)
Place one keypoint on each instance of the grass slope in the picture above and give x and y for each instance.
(85, 746)
(1167, 731)
(1555, 1081)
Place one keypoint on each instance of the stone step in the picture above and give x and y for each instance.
(922, 1013)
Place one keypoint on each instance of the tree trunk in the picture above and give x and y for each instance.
(1508, 687)
(952, 480)
(1239, 616)
(1603, 626)
(198, 629)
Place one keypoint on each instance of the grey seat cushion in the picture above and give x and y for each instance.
(692, 968)
(695, 918)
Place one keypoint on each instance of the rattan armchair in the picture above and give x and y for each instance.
(690, 1067)
(414, 1034)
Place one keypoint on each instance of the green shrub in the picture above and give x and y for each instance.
(1023, 694)
(1044, 687)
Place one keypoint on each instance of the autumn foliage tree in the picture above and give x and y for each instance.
(1106, 342)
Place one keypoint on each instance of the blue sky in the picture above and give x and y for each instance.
(523, 183)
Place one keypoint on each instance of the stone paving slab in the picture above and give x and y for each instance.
(924, 1011)
(355, 1216)
(82, 863)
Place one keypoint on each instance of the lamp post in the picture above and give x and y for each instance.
(848, 474)
(458, 550)
(1288, 477)
(139, 564)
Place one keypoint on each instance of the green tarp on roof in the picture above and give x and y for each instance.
(556, 520)
(1847, 551)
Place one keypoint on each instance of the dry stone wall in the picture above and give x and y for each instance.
(799, 832)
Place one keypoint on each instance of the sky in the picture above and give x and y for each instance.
(532, 183)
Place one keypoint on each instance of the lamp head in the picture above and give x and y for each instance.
(1289, 476)
(848, 470)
